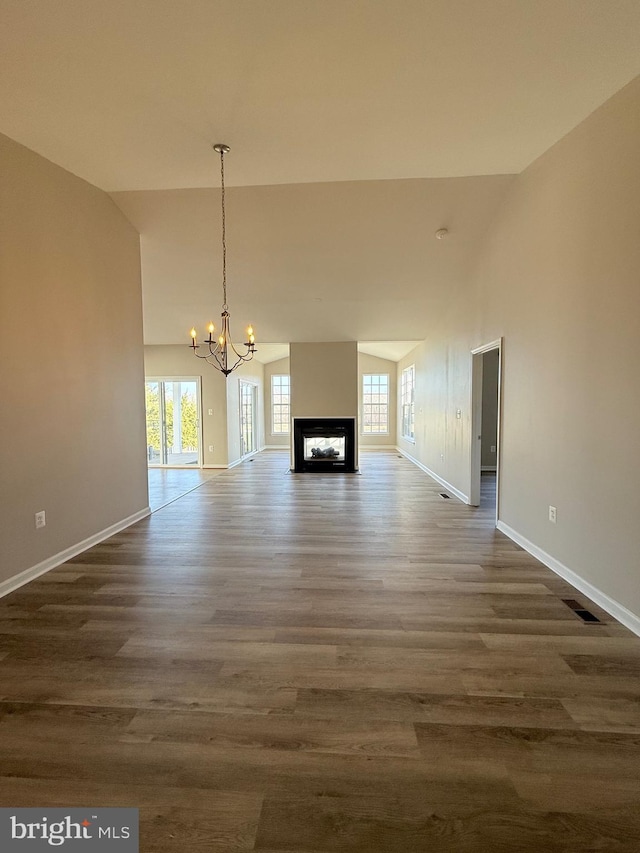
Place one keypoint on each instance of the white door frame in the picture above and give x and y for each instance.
(254, 413)
(476, 422)
(198, 381)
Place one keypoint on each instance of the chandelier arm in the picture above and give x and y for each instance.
(243, 357)
(241, 360)
(217, 363)
(197, 355)
(213, 354)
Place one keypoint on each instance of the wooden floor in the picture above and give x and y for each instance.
(317, 662)
(167, 484)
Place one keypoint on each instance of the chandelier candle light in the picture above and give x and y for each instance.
(221, 350)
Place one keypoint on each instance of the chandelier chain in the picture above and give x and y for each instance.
(224, 236)
(221, 353)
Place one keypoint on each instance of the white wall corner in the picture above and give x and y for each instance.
(235, 462)
(614, 608)
(61, 557)
(458, 494)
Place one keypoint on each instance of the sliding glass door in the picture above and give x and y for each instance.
(173, 422)
(247, 418)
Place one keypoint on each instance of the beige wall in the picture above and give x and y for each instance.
(274, 368)
(324, 379)
(171, 361)
(558, 278)
(72, 438)
(442, 362)
(372, 364)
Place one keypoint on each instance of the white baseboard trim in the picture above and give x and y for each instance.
(45, 566)
(460, 495)
(235, 461)
(385, 447)
(277, 447)
(614, 608)
(488, 468)
(216, 467)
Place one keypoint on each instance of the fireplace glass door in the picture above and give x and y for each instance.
(324, 447)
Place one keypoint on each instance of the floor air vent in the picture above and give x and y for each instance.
(445, 497)
(586, 616)
(579, 610)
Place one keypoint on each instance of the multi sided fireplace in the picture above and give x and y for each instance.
(324, 444)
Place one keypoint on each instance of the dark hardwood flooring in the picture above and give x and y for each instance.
(317, 662)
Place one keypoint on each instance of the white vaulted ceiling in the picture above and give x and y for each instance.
(129, 93)
(310, 262)
(329, 106)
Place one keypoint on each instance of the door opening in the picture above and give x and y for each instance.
(247, 418)
(486, 374)
(173, 422)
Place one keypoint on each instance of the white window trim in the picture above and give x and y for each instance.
(387, 431)
(406, 436)
(287, 431)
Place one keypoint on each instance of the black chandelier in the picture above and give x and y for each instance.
(222, 354)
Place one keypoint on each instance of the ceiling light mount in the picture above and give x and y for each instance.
(222, 354)
(442, 233)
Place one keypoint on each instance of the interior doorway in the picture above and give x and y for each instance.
(247, 418)
(173, 422)
(486, 400)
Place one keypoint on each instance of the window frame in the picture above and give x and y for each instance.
(281, 408)
(364, 405)
(407, 403)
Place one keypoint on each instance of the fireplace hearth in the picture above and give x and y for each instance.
(324, 444)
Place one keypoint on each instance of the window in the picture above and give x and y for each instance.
(375, 403)
(407, 387)
(280, 405)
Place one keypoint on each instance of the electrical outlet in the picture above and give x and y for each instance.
(552, 514)
(493, 448)
(211, 448)
(210, 411)
(458, 413)
(41, 520)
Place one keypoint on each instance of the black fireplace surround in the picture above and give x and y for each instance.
(324, 444)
